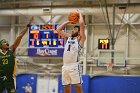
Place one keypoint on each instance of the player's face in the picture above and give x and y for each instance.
(28, 84)
(75, 32)
(5, 45)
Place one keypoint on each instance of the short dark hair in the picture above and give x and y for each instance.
(2, 41)
(77, 27)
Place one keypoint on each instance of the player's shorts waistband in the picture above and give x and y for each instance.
(67, 64)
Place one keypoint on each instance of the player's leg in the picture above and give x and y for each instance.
(1, 85)
(66, 80)
(78, 88)
(67, 89)
(1, 88)
(11, 89)
(10, 86)
(76, 78)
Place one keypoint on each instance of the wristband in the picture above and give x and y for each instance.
(28, 25)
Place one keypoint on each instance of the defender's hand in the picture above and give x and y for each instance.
(31, 20)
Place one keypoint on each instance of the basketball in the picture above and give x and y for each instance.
(73, 16)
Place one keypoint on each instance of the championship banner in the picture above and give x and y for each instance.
(44, 41)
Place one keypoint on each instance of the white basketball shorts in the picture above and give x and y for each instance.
(71, 74)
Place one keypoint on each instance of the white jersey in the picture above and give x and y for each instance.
(71, 52)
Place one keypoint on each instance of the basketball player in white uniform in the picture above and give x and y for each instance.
(70, 70)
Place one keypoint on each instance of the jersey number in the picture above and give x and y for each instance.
(5, 61)
(68, 48)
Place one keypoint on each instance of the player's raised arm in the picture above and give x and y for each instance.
(18, 39)
(82, 30)
(60, 28)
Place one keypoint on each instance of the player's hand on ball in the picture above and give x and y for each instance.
(69, 22)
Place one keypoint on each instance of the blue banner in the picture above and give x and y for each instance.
(45, 52)
(115, 84)
(25, 80)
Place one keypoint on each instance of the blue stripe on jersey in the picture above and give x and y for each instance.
(79, 49)
(79, 74)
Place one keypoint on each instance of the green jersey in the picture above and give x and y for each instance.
(7, 63)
